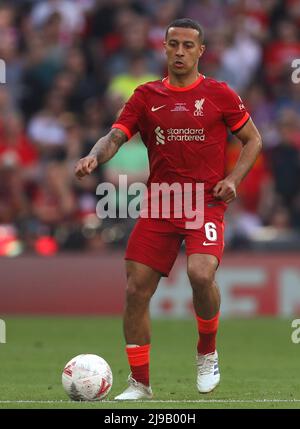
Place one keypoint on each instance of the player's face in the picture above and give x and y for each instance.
(183, 50)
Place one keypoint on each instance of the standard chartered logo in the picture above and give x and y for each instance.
(186, 134)
(179, 135)
(160, 138)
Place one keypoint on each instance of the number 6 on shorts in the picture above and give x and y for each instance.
(210, 231)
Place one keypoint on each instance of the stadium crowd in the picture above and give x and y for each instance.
(71, 65)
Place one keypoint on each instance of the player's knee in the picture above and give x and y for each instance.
(137, 291)
(200, 277)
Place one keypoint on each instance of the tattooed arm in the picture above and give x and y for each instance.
(103, 151)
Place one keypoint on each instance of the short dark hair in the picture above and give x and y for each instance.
(187, 23)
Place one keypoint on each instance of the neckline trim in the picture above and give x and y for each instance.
(166, 83)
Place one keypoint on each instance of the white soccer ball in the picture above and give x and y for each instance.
(87, 377)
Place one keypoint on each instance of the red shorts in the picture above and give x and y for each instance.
(156, 242)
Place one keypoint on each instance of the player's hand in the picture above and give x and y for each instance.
(225, 190)
(85, 166)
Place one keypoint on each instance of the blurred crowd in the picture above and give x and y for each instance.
(71, 65)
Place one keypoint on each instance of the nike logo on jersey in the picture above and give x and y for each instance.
(153, 109)
(209, 244)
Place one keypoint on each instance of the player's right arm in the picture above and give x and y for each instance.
(122, 130)
(105, 148)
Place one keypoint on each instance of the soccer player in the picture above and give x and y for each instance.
(183, 121)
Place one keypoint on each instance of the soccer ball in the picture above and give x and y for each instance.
(87, 377)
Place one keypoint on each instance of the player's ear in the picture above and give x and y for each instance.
(201, 50)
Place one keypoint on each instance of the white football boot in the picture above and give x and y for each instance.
(135, 391)
(208, 374)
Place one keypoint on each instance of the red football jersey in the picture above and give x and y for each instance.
(184, 129)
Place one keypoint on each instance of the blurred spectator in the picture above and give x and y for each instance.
(123, 85)
(50, 35)
(211, 14)
(289, 100)
(241, 225)
(46, 129)
(240, 58)
(84, 85)
(15, 145)
(251, 187)
(6, 104)
(285, 164)
(39, 73)
(9, 52)
(94, 119)
(164, 12)
(14, 204)
(72, 22)
(280, 219)
(54, 201)
(279, 53)
(134, 42)
(260, 105)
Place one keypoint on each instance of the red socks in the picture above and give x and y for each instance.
(138, 358)
(207, 334)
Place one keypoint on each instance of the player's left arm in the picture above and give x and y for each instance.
(226, 189)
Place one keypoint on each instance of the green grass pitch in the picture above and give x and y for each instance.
(259, 363)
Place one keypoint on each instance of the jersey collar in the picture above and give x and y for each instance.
(166, 83)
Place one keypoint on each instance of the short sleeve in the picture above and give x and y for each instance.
(234, 112)
(131, 113)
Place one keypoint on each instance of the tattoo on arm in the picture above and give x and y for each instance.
(108, 146)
